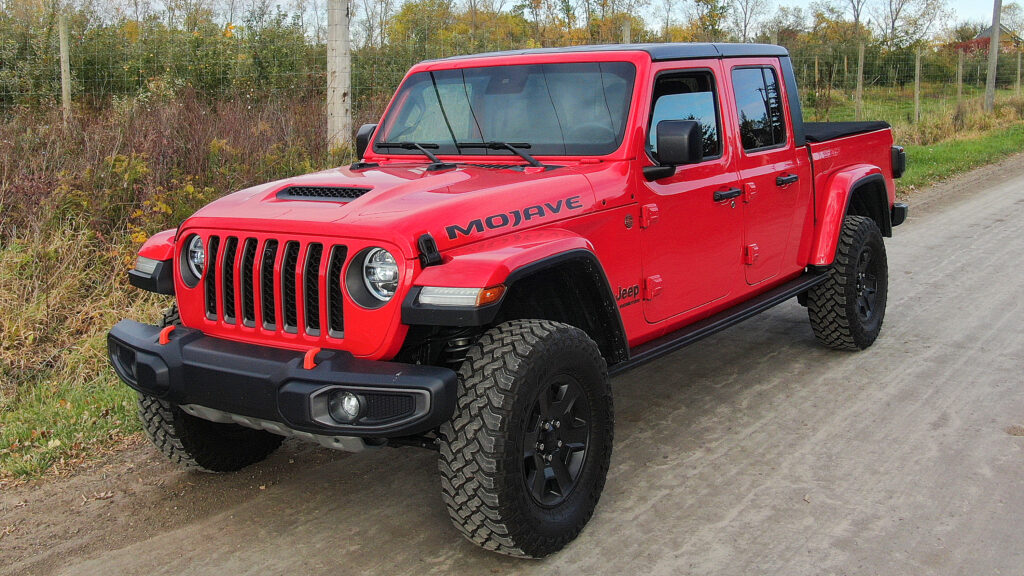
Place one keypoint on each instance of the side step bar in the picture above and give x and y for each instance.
(689, 334)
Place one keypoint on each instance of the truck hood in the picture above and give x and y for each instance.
(456, 206)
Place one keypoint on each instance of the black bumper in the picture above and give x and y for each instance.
(271, 384)
(899, 213)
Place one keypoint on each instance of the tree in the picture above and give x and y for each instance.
(744, 16)
(902, 23)
(1012, 16)
(707, 19)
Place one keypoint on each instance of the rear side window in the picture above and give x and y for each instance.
(759, 107)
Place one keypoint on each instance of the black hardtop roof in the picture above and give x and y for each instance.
(658, 52)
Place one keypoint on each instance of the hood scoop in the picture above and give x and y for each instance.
(325, 193)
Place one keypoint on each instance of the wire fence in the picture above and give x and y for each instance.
(120, 64)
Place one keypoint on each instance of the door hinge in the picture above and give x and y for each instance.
(652, 287)
(749, 191)
(750, 254)
(648, 215)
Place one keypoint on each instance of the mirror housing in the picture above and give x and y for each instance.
(363, 139)
(679, 142)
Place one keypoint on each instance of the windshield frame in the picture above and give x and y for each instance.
(640, 61)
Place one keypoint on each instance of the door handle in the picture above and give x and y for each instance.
(727, 194)
(786, 179)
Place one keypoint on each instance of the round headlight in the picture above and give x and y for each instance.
(380, 274)
(195, 256)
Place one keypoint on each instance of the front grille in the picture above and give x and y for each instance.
(321, 193)
(277, 284)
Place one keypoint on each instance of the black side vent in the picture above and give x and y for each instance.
(267, 285)
(329, 193)
(288, 303)
(211, 278)
(248, 286)
(335, 302)
(228, 279)
(311, 290)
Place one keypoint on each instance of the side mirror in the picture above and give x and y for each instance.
(679, 142)
(363, 139)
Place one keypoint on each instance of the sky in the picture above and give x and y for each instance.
(974, 10)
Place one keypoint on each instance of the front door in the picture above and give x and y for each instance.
(691, 243)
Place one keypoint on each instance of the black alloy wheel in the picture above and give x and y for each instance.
(555, 441)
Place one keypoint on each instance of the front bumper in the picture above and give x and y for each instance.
(269, 386)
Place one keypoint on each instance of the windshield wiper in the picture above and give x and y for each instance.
(425, 149)
(513, 147)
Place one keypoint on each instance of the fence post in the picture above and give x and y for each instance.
(1018, 72)
(65, 68)
(858, 97)
(339, 75)
(917, 86)
(993, 58)
(959, 76)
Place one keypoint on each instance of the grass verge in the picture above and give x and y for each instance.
(931, 163)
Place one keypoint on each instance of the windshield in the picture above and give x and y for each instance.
(555, 109)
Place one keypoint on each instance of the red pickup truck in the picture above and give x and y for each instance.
(520, 227)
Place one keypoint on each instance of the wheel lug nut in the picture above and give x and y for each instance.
(559, 443)
(540, 446)
(557, 423)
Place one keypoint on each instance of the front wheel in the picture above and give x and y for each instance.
(200, 444)
(524, 458)
(846, 311)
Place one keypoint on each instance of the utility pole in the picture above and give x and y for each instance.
(339, 75)
(993, 58)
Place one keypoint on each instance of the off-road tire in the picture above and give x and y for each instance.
(482, 461)
(200, 444)
(835, 307)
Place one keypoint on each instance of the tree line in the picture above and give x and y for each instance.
(220, 47)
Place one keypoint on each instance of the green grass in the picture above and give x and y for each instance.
(931, 163)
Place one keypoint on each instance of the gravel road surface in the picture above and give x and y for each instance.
(752, 452)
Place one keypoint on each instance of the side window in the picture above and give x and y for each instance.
(689, 96)
(759, 107)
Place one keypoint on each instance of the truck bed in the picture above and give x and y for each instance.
(825, 131)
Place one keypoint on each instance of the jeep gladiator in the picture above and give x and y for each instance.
(519, 227)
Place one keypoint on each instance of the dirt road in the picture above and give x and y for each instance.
(752, 452)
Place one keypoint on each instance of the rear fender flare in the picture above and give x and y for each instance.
(862, 181)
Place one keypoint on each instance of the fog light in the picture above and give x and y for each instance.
(344, 407)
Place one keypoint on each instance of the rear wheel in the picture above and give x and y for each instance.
(523, 461)
(846, 311)
(200, 444)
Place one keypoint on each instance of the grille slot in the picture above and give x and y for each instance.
(211, 278)
(228, 279)
(311, 289)
(248, 289)
(288, 304)
(335, 308)
(333, 193)
(267, 297)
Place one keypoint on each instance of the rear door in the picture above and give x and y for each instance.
(691, 242)
(772, 175)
